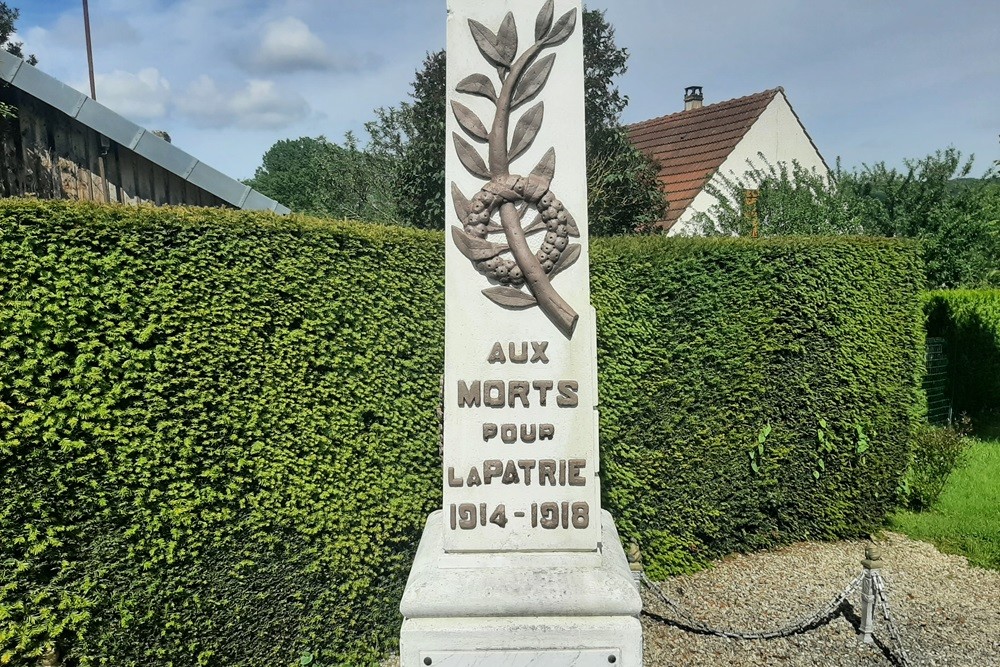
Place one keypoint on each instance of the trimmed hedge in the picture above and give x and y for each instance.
(754, 392)
(969, 320)
(218, 432)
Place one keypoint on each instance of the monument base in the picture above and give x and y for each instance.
(520, 609)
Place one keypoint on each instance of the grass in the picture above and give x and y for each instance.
(966, 518)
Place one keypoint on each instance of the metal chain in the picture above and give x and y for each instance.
(796, 627)
(883, 603)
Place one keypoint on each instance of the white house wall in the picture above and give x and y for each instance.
(779, 136)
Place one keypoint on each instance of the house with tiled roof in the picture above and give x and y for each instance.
(61, 144)
(704, 142)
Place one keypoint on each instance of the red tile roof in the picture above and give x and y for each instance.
(691, 145)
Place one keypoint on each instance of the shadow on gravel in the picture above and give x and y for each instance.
(852, 617)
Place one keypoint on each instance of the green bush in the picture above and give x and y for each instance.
(218, 432)
(217, 436)
(969, 320)
(753, 391)
(937, 451)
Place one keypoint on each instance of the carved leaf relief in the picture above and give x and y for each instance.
(572, 229)
(507, 39)
(526, 130)
(475, 248)
(470, 158)
(563, 29)
(508, 297)
(525, 281)
(533, 80)
(567, 259)
(536, 226)
(546, 168)
(478, 84)
(462, 204)
(487, 43)
(544, 21)
(470, 122)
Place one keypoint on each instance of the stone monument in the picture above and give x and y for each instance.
(521, 567)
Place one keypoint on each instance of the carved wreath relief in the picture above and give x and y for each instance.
(500, 206)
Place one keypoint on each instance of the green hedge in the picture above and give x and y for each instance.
(754, 392)
(969, 321)
(218, 432)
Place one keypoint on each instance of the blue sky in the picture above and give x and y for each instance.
(871, 80)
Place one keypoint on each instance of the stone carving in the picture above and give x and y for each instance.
(509, 197)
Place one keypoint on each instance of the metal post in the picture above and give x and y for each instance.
(90, 51)
(872, 564)
(101, 169)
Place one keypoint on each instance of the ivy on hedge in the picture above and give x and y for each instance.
(218, 432)
(969, 320)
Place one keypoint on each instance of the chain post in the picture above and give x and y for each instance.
(873, 596)
(872, 563)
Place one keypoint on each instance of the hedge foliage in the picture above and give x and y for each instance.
(754, 392)
(218, 432)
(969, 320)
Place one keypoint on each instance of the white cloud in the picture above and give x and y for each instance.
(140, 97)
(289, 44)
(259, 105)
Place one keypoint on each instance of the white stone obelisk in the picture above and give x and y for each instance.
(521, 567)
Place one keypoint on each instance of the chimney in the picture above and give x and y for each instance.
(693, 98)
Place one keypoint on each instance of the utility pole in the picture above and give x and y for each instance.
(105, 194)
(90, 51)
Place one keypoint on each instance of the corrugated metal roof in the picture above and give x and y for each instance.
(124, 132)
(691, 145)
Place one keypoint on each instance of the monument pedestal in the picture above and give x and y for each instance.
(545, 609)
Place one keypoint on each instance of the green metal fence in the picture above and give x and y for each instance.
(936, 382)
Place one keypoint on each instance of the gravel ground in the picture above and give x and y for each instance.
(947, 612)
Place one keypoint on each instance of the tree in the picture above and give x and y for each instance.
(411, 138)
(405, 157)
(956, 219)
(624, 191)
(962, 240)
(322, 178)
(8, 21)
(789, 201)
(623, 187)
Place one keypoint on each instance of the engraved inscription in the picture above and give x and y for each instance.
(511, 433)
(553, 515)
(516, 393)
(548, 515)
(551, 472)
(517, 353)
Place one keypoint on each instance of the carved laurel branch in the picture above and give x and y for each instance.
(512, 196)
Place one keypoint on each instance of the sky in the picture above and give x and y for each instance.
(871, 80)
